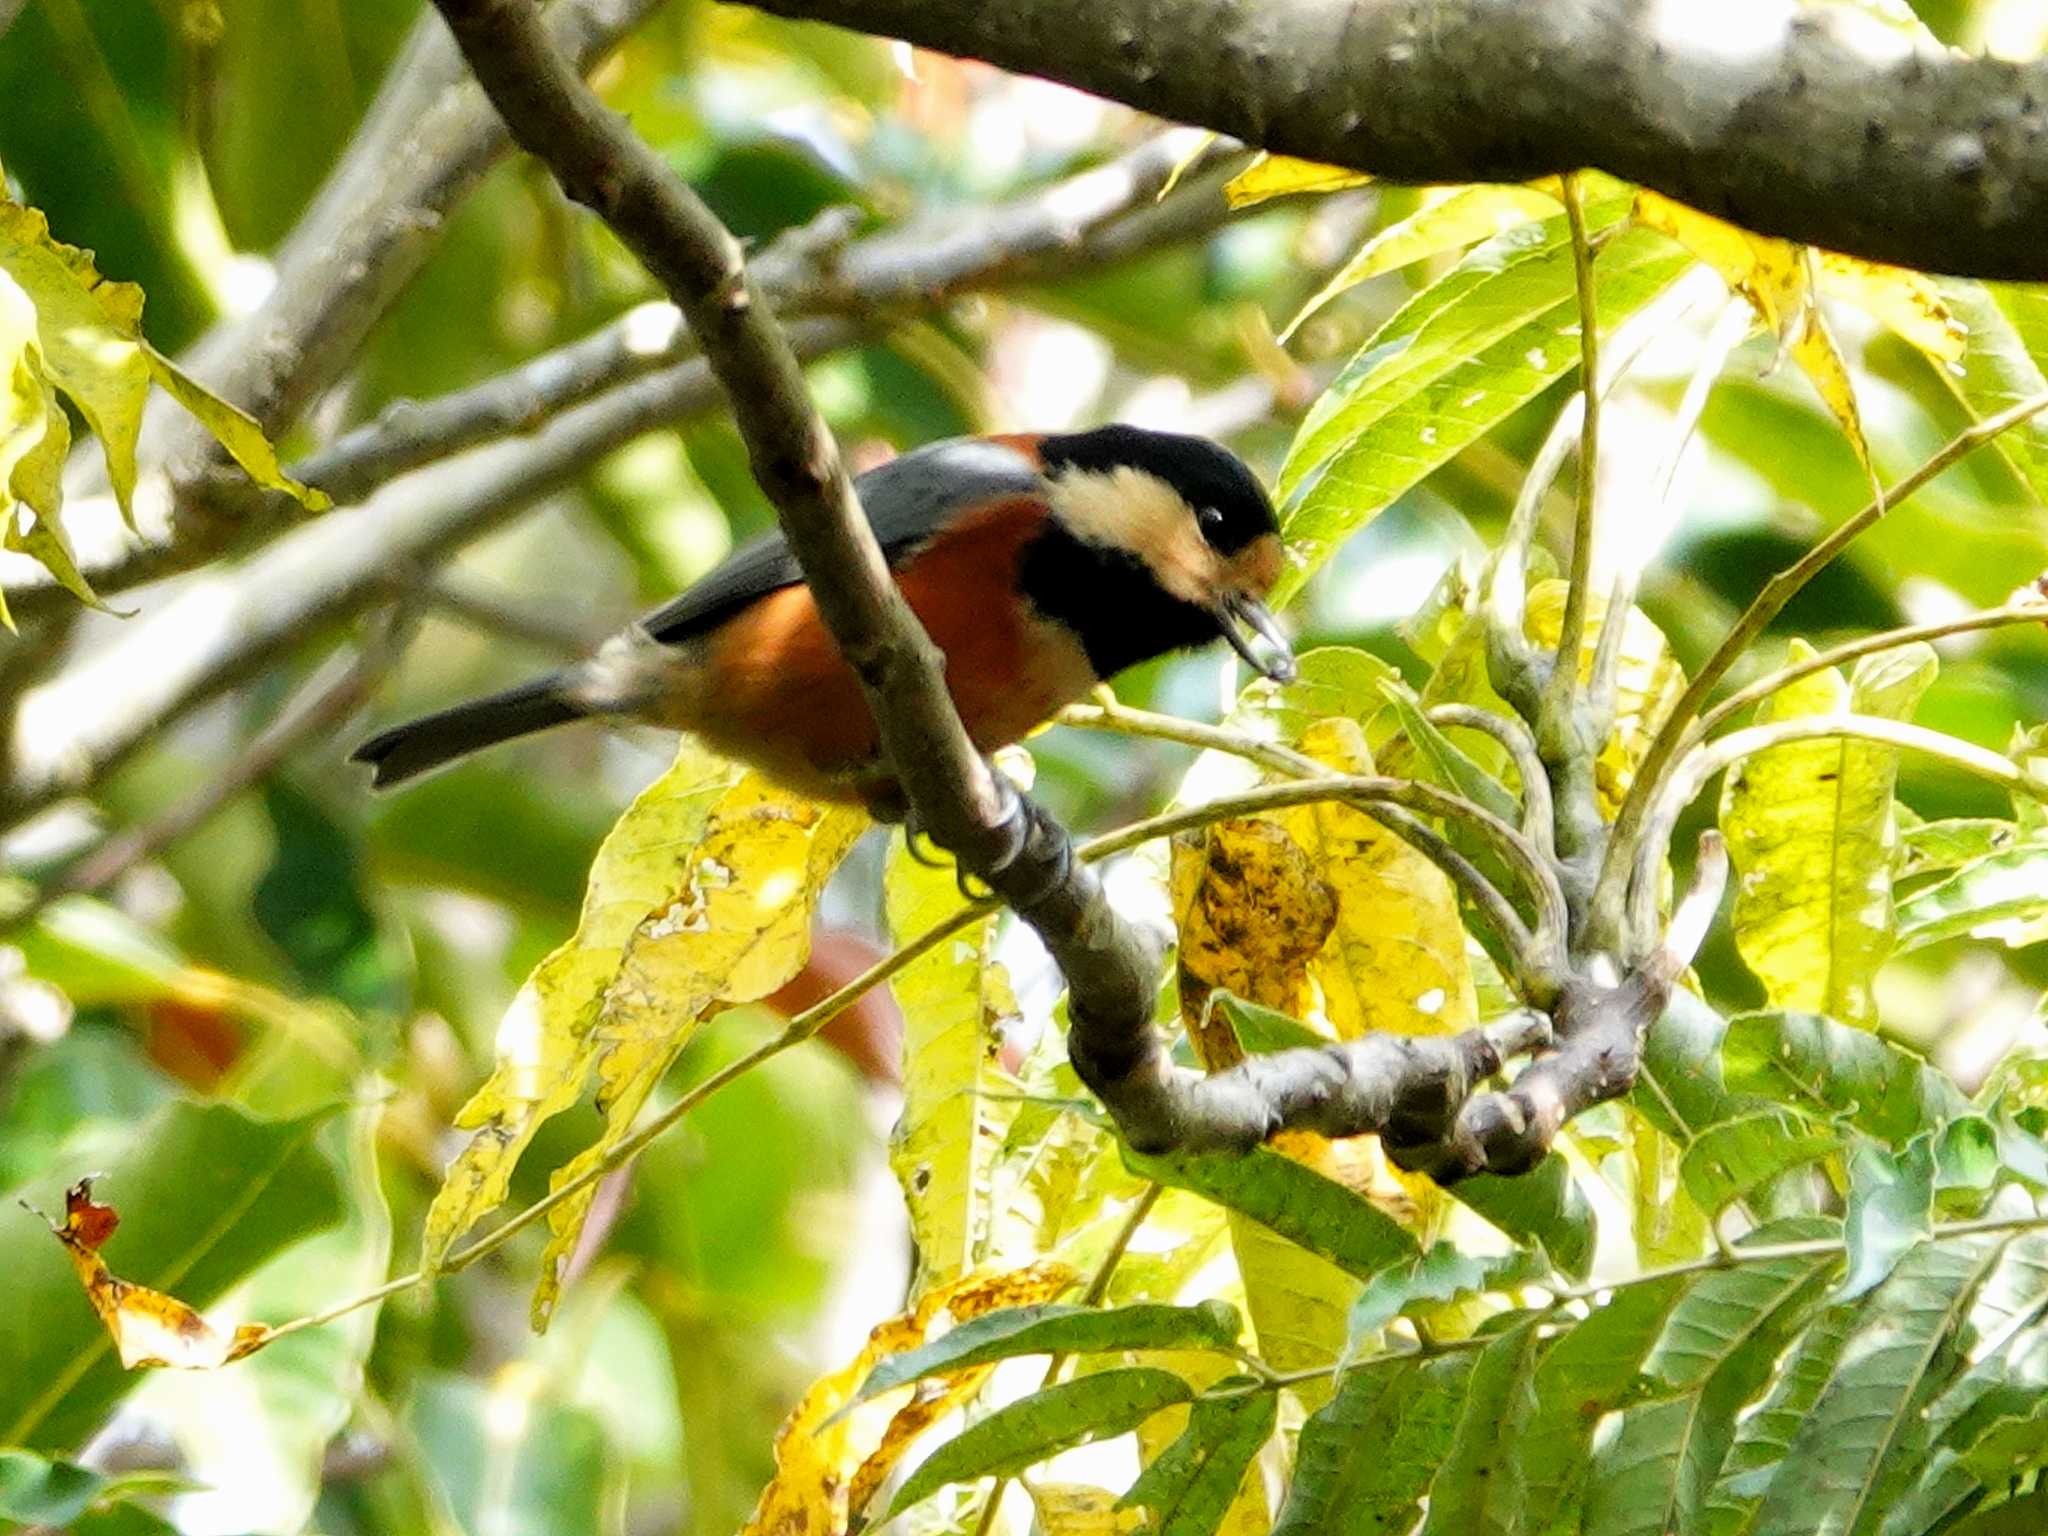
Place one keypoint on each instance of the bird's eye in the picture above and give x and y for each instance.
(1209, 520)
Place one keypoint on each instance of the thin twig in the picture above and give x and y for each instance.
(1611, 894)
(1563, 685)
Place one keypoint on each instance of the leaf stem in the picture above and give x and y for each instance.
(1564, 678)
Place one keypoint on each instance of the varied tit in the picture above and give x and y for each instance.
(1040, 565)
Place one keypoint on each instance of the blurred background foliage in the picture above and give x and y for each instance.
(339, 965)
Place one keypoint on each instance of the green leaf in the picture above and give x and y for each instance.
(1679, 1090)
(206, 1194)
(1730, 1161)
(1590, 1371)
(1442, 761)
(1831, 1071)
(1480, 1490)
(2002, 896)
(1865, 1437)
(1812, 836)
(1033, 1428)
(1316, 1213)
(1716, 1355)
(1190, 1485)
(1458, 358)
(2008, 325)
(1367, 1456)
(1054, 1328)
(1891, 1207)
(546, 1471)
(1766, 1434)
(1457, 219)
(34, 1491)
(1544, 1205)
(1261, 1030)
(1443, 1274)
(1936, 845)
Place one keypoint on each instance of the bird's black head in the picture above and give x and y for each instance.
(1161, 541)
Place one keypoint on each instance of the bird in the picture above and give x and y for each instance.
(1041, 565)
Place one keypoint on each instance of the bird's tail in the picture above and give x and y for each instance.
(406, 751)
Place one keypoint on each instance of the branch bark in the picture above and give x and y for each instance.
(1818, 123)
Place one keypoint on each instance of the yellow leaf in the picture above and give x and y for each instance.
(828, 1464)
(1081, 1509)
(65, 328)
(1812, 832)
(1253, 912)
(235, 429)
(1908, 302)
(1273, 176)
(543, 1059)
(1648, 682)
(1395, 958)
(738, 927)
(1778, 279)
(1453, 217)
(149, 1328)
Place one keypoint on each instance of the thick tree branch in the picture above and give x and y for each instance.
(1819, 123)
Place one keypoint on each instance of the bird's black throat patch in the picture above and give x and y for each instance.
(1109, 599)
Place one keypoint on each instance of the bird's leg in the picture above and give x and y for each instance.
(1023, 822)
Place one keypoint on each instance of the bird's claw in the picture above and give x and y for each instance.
(1022, 819)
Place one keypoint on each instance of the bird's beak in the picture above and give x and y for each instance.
(1239, 612)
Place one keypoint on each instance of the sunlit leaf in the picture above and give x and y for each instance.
(1953, 842)
(2001, 897)
(1781, 281)
(66, 330)
(2006, 362)
(1272, 176)
(736, 929)
(1080, 1509)
(1032, 1428)
(1050, 1328)
(953, 1001)
(1443, 1273)
(1812, 835)
(828, 1461)
(1462, 355)
(1452, 218)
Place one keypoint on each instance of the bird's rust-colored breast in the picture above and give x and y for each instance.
(784, 698)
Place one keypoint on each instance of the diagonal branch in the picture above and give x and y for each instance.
(1820, 123)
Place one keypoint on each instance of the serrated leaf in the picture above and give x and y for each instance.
(1272, 176)
(1366, 1457)
(1461, 356)
(1716, 1354)
(1831, 1071)
(1480, 1490)
(1190, 1486)
(1865, 1437)
(1057, 1329)
(1812, 836)
(942, 1149)
(1730, 1161)
(1449, 219)
(1029, 1430)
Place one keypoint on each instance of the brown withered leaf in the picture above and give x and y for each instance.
(829, 1463)
(148, 1327)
